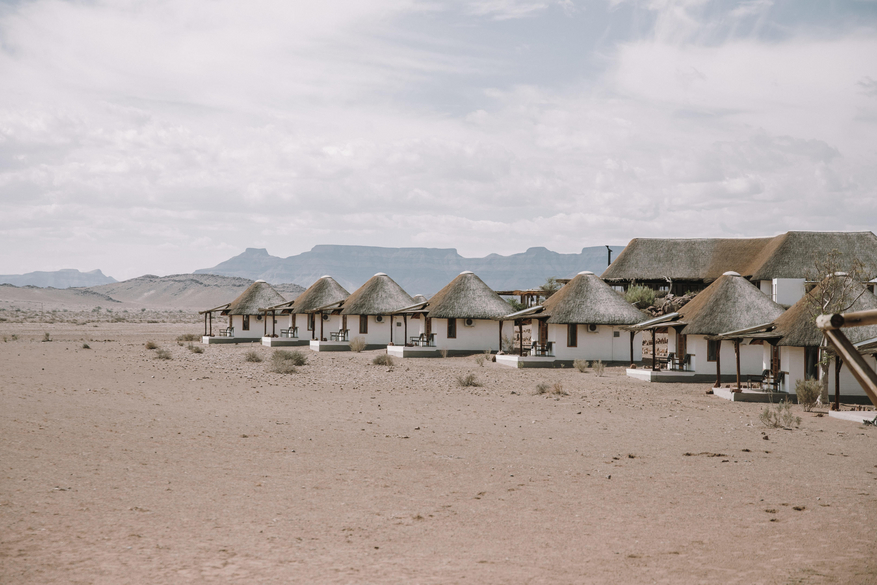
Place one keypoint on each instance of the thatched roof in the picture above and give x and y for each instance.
(790, 255)
(587, 299)
(258, 295)
(323, 292)
(467, 297)
(379, 296)
(798, 325)
(730, 303)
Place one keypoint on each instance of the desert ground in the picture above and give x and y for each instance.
(118, 467)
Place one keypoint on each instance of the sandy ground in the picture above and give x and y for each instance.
(121, 468)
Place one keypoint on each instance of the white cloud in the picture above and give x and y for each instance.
(206, 128)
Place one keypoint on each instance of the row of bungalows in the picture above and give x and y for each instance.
(583, 320)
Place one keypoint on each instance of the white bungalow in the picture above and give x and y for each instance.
(730, 303)
(313, 316)
(791, 344)
(462, 318)
(369, 312)
(246, 321)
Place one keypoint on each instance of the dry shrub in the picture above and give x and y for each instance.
(196, 348)
(283, 362)
(808, 391)
(780, 417)
(383, 359)
(84, 345)
(151, 345)
(581, 365)
(444, 352)
(162, 354)
(252, 356)
(189, 337)
(46, 336)
(467, 380)
(542, 388)
(481, 357)
(295, 356)
(357, 344)
(557, 388)
(599, 368)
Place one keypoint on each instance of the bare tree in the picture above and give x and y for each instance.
(839, 284)
(550, 287)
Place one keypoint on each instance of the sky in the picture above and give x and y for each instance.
(163, 136)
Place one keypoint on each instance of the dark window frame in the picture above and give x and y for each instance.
(452, 329)
(245, 325)
(363, 324)
(712, 350)
(572, 335)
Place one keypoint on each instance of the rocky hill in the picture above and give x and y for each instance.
(417, 270)
(66, 278)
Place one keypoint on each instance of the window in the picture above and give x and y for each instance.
(712, 350)
(246, 325)
(312, 320)
(616, 334)
(363, 324)
(452, 328)
(572, 335)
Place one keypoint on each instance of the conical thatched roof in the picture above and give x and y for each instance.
(379, 296)
(730, 303)
(467, 297)
(587, 299)
(798, 325)
(419, 298)
(258, 295)
(323, 292)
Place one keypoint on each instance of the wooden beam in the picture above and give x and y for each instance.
(838, 364)
(737, 354)
(718, 364)
(654, 352)
(854, 360)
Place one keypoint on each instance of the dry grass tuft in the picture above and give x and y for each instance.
(151, 345)
(443, 352)
(467, 380)
(357, 344)
(253, 356)
(284, 362)
(196, 348)
(86, 346)
(189, 337)
(599, 367)
(163, 354)
(581, 365)
(383, 359)
(807, 392)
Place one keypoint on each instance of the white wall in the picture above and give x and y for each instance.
(484, 334)
(787, 291)
(751, 358)
(792, 362)
(378, 333)
(766, 287)
(330, 325)
(602, 345)
(256, 327)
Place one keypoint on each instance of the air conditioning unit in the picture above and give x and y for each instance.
(325, 316)
(379, 318)
(592, 328)
(469, 322)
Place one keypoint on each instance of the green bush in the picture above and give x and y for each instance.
(808, 391)
(640, 296)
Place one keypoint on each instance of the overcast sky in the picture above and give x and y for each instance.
(164, 136)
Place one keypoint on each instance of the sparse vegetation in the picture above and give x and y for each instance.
(383, 359)
(151, 345)
(581, 365)
(47, 337)
(86, 346)
(779, 417)
(481, 357)
(253, 356)
(189, 337)
(599, 367)
(357, 344)
(508, 344)
(556, 388)
(295, 357)
(444, 352)
(467, 380)
(542, 388)
(283, 362)
(163, 354)
(640, 296)
(196, 348)
(807, 392)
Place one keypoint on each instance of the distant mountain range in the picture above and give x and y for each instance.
(417, 270)
(65, 278)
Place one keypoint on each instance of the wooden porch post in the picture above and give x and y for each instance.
(205, 323)
(321, 326)
(654, 351)
(391, 329)
(718, 364)
(265, 324)
(631, 346)
(273, 324)
(838, 364)
(500, 335)
(737, 354)
(211, 324)
(405, 326)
